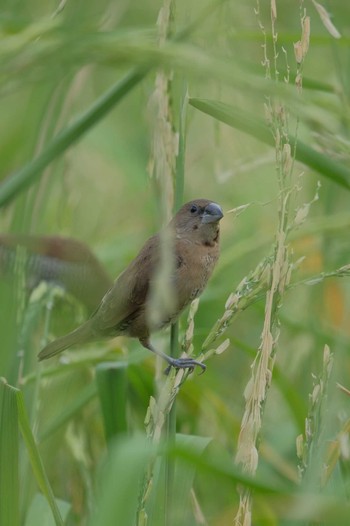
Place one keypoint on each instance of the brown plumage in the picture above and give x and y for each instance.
(124, 310)
(60, 260)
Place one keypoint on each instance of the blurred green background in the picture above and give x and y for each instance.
(53, 68)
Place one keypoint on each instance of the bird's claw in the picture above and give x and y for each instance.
(185, 363)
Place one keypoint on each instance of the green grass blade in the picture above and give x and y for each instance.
(236, 118)
(35, 458)
(180, 159)
(9, 479)
(76, 405)
(169, 467)
(225, 468)
(179, 511)
(120, 480)
(184, 478)
(21, 179)
(308, 82)
(111, 382)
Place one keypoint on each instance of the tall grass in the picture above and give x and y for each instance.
(243, 103)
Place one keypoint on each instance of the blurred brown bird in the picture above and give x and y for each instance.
(125, 308)
(64, 261)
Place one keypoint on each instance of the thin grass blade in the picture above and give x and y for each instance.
(24, 177)
(111, 379)
(120, 482)
(9, 479)
(179, 505)
(35, 458)
(234, 117)
(77, 404)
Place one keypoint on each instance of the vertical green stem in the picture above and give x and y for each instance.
(180, 160)
(171, 433)
(174, 334)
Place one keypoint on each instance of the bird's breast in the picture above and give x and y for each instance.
(197, 267)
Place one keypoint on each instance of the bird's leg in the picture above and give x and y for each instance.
(178, 363)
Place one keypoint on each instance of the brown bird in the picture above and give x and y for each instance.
(125, 308)
(63, 261)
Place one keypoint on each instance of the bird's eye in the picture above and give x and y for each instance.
(193, 209)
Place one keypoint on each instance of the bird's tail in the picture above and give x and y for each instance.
(82, 334)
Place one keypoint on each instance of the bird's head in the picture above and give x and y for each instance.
(198, 220)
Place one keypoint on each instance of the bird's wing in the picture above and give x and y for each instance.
(129, 291)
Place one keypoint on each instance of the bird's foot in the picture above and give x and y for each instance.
(184, 363)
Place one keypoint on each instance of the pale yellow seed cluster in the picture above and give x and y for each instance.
(302, 46)
(280, 268)
(326, 20)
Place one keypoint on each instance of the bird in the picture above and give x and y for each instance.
(63, 261)
(125, 308)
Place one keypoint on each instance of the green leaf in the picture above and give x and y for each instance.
(74, 407)
(111, 382)
(32, 171)
(119, 486)
(181, 157)
(178, 503)
(9, 480)
(35, 458)
(219, 467)
(255, 127)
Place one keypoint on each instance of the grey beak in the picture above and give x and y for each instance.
(212, 213)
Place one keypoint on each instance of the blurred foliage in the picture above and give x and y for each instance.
(58, 63)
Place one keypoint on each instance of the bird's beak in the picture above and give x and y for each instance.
(212, 213)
